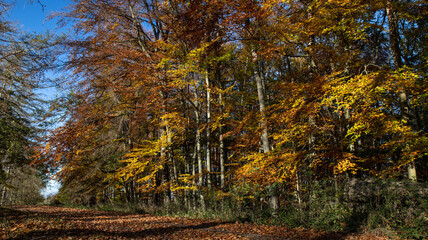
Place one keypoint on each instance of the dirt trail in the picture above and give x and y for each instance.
(45, 222)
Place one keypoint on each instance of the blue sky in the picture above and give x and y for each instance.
(31, 17)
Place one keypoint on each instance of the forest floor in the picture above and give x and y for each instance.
(47, 222)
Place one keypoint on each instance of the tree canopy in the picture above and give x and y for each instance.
(24, 58)
(262, 102)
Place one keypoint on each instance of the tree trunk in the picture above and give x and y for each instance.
(198, 152)
(173, 173)
(167, 180)
(298, 182)
(394, 35)
(274, 196)
(261, 97)
(194, 200)
(298, 197)
(3, 195)
(164, 158)
(208, 131)
(221, 146)
(4, 191)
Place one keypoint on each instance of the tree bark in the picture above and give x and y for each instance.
(261, 97)
(164, 151)
(194, 195)
(394, 35)
(208, 131)
(221, 145)
(298, 197)
(198, 152)
(273, 189)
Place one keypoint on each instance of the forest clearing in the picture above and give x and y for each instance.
(47, 222)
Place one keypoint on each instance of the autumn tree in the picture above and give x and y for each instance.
(23, 59)
(196, 101)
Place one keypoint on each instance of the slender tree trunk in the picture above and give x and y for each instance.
(165, 172)
(311, 119)
(311, 73)
(174, 171)
(164, 151)
(347, 117)
(194, 174)
(132, 190)
(394, 35)
(261, 97)
(185, 150)
(221, 146)
(298, 181)
(274, 195)
(208, 131)
(3, 195)
(4, 191)
(188, 160)
(167, 192)
(198, 152)
(298, 197)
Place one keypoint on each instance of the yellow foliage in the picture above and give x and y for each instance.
(345, 165)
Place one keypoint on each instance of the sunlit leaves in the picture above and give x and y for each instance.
(168, 88)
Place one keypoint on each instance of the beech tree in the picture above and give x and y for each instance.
(190, 101)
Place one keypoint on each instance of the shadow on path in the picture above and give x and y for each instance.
(86, 233)
(90, 224)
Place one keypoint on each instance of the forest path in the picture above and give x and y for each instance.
(47, 222)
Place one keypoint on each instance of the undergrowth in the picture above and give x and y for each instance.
(394, 209)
